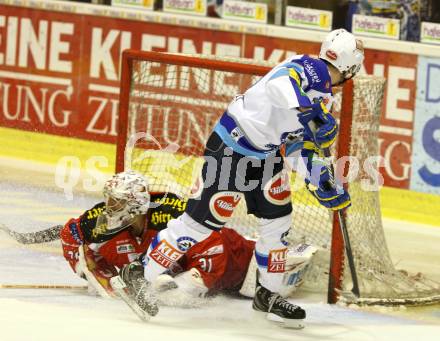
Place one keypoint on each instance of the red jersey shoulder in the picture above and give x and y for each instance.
(88, 223)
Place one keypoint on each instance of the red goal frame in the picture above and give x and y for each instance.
(337, 258)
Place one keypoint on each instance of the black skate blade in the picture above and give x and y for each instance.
(119, 287)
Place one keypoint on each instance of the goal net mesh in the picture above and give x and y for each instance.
(172, 110)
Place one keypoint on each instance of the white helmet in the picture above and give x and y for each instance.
(341, 49)
(126, 195)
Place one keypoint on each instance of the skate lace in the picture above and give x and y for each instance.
(281, 302)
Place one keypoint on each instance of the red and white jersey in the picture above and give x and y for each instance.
(222, 259)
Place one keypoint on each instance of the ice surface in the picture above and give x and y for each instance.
(67, 314)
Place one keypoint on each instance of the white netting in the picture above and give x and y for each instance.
(172, 110)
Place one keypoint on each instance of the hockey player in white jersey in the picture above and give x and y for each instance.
(243, 162)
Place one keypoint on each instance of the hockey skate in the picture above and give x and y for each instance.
(278, 309)
(134, 290)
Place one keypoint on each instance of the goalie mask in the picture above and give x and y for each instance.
(126, 196)
(342, 50)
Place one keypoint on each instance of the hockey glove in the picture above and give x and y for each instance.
(319, 182)
(319, 124)
(71, 239)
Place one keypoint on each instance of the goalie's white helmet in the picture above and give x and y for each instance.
(126, 196)
(341, 49)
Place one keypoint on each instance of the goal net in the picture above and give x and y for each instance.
(169, 104)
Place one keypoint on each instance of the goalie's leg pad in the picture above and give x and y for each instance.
(171, 244)
(185, 290)
(121, 289)
(97, 272)
(137, 292)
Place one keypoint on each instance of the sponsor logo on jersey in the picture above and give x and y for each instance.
(277, 190)
(236, 134)
(75, 232)
(277, 260)
(184, 243)
(165, 254)
(171, 201)
(99, 230)
(125, 248)
(160, 217)
(222, 205)
(310, 69)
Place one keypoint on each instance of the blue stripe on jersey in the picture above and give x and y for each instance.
(155, 241)
(229, 123)
(303, 100)
(298, 67)
(227, 139)
(279, 73)
(262, 260)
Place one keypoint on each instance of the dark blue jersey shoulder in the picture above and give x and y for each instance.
(317, 74)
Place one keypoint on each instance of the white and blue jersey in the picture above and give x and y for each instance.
(258, 122)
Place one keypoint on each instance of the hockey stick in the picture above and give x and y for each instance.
(311, 123)
(42, 286)
(343, 226)
(37, 237)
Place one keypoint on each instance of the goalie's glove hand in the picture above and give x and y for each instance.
(319, 124)
(318, 180)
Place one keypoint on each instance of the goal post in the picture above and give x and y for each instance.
(169, 104)
(337, 250)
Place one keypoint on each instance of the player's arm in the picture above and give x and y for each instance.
(319, 124)
(71, 240)
(285, 89)
(76, 237)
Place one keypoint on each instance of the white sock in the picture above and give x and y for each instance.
(271, 251)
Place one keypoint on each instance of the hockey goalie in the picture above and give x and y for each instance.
(118, 230)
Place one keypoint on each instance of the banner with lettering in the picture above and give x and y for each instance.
(425, 174)
(59, 73)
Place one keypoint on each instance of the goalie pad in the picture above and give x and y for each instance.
(297, 263)
(96, 271)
